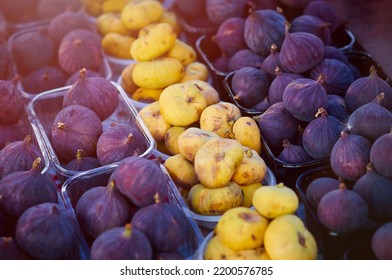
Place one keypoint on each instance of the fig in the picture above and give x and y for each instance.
(337, 107)
(300, 51)
(321, 134)
(7, 64)
(313, 25)
(75, 76)
(365, 89)
(46, 231)
(22, 189)
(75, 20)
(262, 106)
(95, 93)
(376, 190)
(277, 124)
(11, 102)
(32, 49)
(221, 63)
(292, 153)
(219, 10)
(381, 242)
(122, 243)
(82, 162)
(118, 142)
(102, 208)
(244, 58)
(303, 97)
(262, 29)
(139, 179)
(9, 250)
(350, 155)
(47, 9)
(332, 52)
(251, 170)
(250, 86)
(19, 11)
(43, 79)
(371, 120)
(164, 224)
(230, 35)
(271, 63)
(381, 155)
(80, 48)
(318, 188)
(18, 156)
(75, 127)
(279, 83)
(342, 210)
(324, 11)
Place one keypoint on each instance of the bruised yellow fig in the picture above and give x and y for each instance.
(251, 170)
(247, 132)
(171, 139)
(127, 82)
(191, 140)
(209, 92)
(181, 171)
(241, 228)
(220, 118)
(248, 191)
(195, 71)
(214, 202)
(154, 121)
(217, 160)
(274, 201)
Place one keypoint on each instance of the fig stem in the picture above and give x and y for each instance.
(80, 154)
(380, 97)
(342, 186)
(373, 70)
(321, 112)
(60, 125)
(248, 152)
(277, 70)
(27, 139)
(130, 137)
(286, 143)
(156, 198)
(230, 134)
(280, 185)
(36, 163)
(127, 230)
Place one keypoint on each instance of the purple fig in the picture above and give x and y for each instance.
(43, 79)
(9, 250)
(11, 102)
(82, 162)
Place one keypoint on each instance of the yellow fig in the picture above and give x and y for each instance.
(154, 121)
(248, 191)
(117, 45)
(191, 140)
(171, 139)
(113, 6)
(171, 18)
(181, 171)
(241, 228)
(287, 238)
(216, 161)
(251, 170)
(209, 92)
(146, 95)
(111, 22)
(195, 71)
(182, 51)
(127, 82)
(274, 201)
(214, 202)
(247, 132)
(220, 118)
(216, 250)
(139, 13)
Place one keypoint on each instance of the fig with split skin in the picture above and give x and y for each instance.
(22, 189)
(75, 127)
(122, 243)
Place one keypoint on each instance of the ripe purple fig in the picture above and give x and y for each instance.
(118, 142)
(381, 155)
(139, 179)
(318, 188)
(381, 242)
(271, 63)
(80, 48)
(335, 53)
(244, 58)
(46, 231)
(43, 79)
(292, 153)
(279, 83)
(102, 208)
(11, 102)
(95, 93)
(164, 224)
(82, 162)
(9, 133)
(18, 156)
(220, 10)
(300, 51)
(122, 243)
(324, 11)
(22, 189)
(337, 107)
(75, 127)
(230, 35)
(303, 97)
(314, 25)
(9, 250)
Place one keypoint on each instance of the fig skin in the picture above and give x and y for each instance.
(43, 79)
(82, 162)
(279, 83)
(9, 250)
(139, 179)
(23, 153)
(292, 153)
(244, 58)
(271, 63)
(381, 242)
(164, 224)
(230, 35)
(122, 243)
(318, 188)
(9, 133)
(337, 107)
(332, 52)
(11, 102)
(80, 48)
(47, 232)
(381, 155)
(22, 189)
(118, 142)
(75, 127)
(102, 208)
(95, 93)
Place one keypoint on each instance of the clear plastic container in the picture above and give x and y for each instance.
(44, 107)
(75, 186)
(209, 222)
(104, 70)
